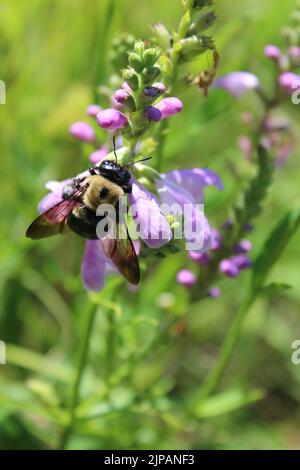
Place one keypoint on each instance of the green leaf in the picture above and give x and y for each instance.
(257, 190)
(274, 246)
(227, 402)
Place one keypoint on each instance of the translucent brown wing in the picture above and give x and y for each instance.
(122, 254)
(53, 221)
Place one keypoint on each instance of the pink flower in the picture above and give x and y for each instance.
(111, 119)
(289, 82)
(169, 106)
(98, 155)
(273, 52)
(120, 95)
(93, 110)
(82, 131)
(237, 83)
(186, 278)
(186, 189)
(229, 268)
(153, 228)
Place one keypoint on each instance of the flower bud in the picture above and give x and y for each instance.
(244, 246)
(152, 114)
(169, 106)
(160, 86)
(151, 73)
(82, 131)
(135, 61)
(139, 47)
(126, 87)
(93, 110)
(273, 52)
(214, 292)
(216, 240)
(186, 278)
(131, 77)
(229, 268)
(201, 258)
(162, 34)
(237, 83)
(241, 261)
(201, 23)
(150, 56)
(120, 95)
(289, 82)
(111, 119)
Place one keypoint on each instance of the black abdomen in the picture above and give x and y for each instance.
(84, 223)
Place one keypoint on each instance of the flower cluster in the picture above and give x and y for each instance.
(138, 101)
(230, 266)
(273, 129)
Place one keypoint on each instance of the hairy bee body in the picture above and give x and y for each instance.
(100, 190)
(78, 210)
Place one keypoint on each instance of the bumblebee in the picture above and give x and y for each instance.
(105, 185)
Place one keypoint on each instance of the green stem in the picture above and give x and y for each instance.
(110, 350)
(82, 358)
(227, 349)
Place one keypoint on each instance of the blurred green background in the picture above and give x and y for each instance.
(142, 373)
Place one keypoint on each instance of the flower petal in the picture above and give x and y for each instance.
(93, 266)
(194, 180)
(49, 201)
(197, 231)
(152, 226)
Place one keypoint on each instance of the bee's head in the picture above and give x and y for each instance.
(114, 172)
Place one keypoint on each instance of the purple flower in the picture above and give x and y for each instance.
(152, 114)
(111, 119)
(241, 261)
(214, 292)
(194, 180)
(93, 110)
(98, 155)
(160, 86)
(216, 240)
(82, 131)
(294, 51)
(244, 246)
(289, 82)
(169, 106)
(126, 87)
(229, 268)
(201, 258)
(54, 196)
(273, 52)
(186, 278)
(186, 189)
(237, 83)
(93, 266)
(120, 95)
(152, 226)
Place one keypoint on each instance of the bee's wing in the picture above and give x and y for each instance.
(53, 221)
(122, 254)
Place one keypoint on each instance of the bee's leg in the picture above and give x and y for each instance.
(127, 188)
(77, 183)
(94, 170)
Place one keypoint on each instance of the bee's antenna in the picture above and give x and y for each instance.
(114, 146)
(139, 161)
